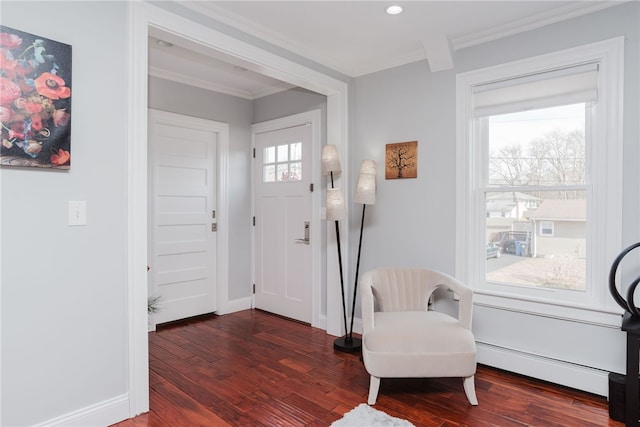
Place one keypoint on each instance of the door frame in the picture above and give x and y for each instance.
(142, 17)
(221, 129)
(313, 117)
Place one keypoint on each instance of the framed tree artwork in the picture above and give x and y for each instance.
(35, 101)
(401, 160)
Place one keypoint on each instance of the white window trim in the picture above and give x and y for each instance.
(605, 203)
(547, 225)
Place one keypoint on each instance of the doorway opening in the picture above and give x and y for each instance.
(143, 17)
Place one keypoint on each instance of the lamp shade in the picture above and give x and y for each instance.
(336, 209)
(368, 167)
(330, 160)
(366, 185)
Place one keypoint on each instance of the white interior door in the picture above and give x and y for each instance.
(282, 206)
(182, 215)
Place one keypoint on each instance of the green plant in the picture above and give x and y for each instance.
(153, 304)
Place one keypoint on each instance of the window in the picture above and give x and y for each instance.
(282, 162)
(546, 228)
(536, 173)
(539, 155)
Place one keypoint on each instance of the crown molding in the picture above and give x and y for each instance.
(387, 63)
(207, 85)
(268, 35)
(532, 22)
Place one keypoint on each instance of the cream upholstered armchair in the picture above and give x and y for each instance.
(402, 338)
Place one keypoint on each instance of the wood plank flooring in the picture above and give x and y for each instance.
(255, 369)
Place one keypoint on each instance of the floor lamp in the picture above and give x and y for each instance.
(365, 195)
(336, 210)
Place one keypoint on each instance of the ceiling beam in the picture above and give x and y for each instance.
(438, 52)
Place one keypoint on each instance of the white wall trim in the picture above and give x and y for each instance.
(142, 16)
(238, 304)
(552, 309)
(606, 193)
(313, 117)
(211, 86)
(137, 292)
(556, 371)
(101, 414)
(529, 23)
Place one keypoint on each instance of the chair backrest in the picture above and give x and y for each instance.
(403, 289)
(409, 289)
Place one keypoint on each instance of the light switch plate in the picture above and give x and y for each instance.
(77, 212)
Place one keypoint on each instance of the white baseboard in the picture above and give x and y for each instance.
(151, 324)
(236, 305)
(230, 307)
(101, 414)
(580, 377)
(321, 322)
(357, 325)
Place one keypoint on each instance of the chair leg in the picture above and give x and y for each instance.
(470, 390)
(374, 386)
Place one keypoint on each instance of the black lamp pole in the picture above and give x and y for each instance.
(355, 284)
(346, 343)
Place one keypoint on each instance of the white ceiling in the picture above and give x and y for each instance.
(186, 63)
(352, 37)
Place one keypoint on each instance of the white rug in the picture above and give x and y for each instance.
(364, 415)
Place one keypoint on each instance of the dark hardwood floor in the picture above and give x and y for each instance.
(255, 369)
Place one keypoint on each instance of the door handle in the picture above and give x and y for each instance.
(306, 234)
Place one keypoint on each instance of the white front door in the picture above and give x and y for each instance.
(182, 215)
(283, 221)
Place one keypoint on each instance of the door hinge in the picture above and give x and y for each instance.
(254, 153)
(311, 187)
(254, 221)
(213, 214)
(254, 288)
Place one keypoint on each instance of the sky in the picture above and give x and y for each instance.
(523, 127)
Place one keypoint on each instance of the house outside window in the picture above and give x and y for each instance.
(537, 154)
(546, 228)
(540, 160)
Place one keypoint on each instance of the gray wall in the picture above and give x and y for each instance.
(413, 221)
(64, 334)
(287, 103)
(237, 112)
(64, 289)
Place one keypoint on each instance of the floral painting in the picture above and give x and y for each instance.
(35, 100)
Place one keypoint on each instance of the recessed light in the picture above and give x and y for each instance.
(394, 10)
(164, 43)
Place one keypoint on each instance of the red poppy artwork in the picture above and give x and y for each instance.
(35, 101)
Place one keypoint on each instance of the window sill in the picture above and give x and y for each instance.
(600, 316)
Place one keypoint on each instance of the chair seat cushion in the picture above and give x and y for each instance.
(418, 344)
